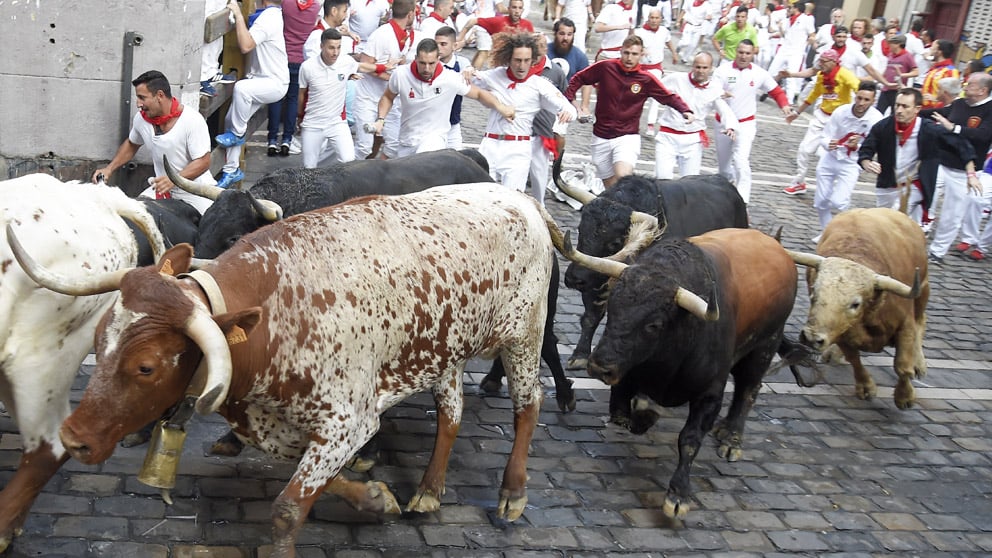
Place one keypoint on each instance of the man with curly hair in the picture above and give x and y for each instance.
(515, 80)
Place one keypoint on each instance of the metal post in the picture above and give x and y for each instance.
(131, 39)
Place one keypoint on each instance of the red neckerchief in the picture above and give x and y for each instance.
(304, 5)
(697, 3)
(534, 70)
(696, 84)
(401, 34)
(840, 51)
(160, 120)
(793, 18)
(830, 78)
(653, 30)
(885, 48)
(416, 74)
(904, 133)
(437, 17)
(942, 64)
(319, 26)
(627, 8)
(832, 29)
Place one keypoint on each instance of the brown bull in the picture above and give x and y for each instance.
(868, 290)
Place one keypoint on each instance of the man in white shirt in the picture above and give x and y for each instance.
(445, 39)
(838, 171)
(615, 22)
(579, 12)
(743, 82)
(426, 90)
(323, 91)
(438, 18)
(656, 39)
(695, 14)
(680, 142)
(335, 14)
(266, 82)
(168, 129)
(515, 82)
(824, 35)
(365, 18)
(800, 32)
(395, 40)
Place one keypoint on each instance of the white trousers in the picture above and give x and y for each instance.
(455, 136)
(509, 161)
(249, 95)
(835, 181)
(789, 59)
(691, 34)
(686, 150)
(971, 226)
(426, 143)
(734, 156)
(540, 168)
(319, 144)
(809, 145)
(653, 105)
(952, 211)
(366, 111)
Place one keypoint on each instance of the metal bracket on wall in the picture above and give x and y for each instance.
(131, 39)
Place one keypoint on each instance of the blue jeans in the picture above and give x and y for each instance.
(284, 110)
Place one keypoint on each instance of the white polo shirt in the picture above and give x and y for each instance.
(365, 17)
(615, 14)
(743, 87)
(426, 105)
(655, 43)
(383, 47)
(326, 89)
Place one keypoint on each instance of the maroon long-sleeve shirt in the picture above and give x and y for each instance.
(621, 96)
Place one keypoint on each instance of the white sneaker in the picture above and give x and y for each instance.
(294, 146)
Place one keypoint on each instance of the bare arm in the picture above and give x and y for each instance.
(246, 43)
(125, 153)
(490, 100)
(385, 104)
(192, 171)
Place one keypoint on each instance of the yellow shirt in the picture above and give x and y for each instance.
(842, 93)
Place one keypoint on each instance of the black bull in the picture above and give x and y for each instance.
(684, 207)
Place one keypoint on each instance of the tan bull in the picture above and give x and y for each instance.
(868, 290)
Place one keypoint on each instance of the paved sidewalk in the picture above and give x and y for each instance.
(823, 473)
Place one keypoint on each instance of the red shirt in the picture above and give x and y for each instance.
(502, 23)
(621, 96)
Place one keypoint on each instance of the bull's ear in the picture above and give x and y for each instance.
(176, 260)
(238, 325)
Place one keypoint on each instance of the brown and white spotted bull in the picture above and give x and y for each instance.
(868, 290)
(45, 335)
(347, 311)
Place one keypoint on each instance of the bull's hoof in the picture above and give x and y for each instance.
(8, 538)
(227, 445)
(511, 509)
(424, 502)
(675, 508)
(382, 499)
(623, 421)
(905, 395)
(866, 391)
(577, 362)
(566, 398)
(491, 386)
(730, 451)
(359, 464)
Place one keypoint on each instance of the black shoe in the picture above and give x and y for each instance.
(763, 97)
(284, 149)
(272, 151)
(935, 259)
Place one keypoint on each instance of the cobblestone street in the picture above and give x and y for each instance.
(823, 473)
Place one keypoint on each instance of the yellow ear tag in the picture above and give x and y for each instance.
(236, 335)
(167, 268)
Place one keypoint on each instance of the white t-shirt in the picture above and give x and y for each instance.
(616, 14)
(268, 59)
(429, 26)
(326, 87)
(576, 10)
(655, 43)
(366, 16)
(188, 140)
(842, 125)
(383, 46)
(425, 105)
(852, 59)
(528, 97)
(702, 101)
(744, 86)
(797, 34)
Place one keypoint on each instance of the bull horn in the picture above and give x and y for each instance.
(207, 335)
(146, 223)
(696, 306)
(803, 258)
(84, 286)
(578, 194)
(605, 266)
(203, 190)
(270, 210)
(886, 283)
